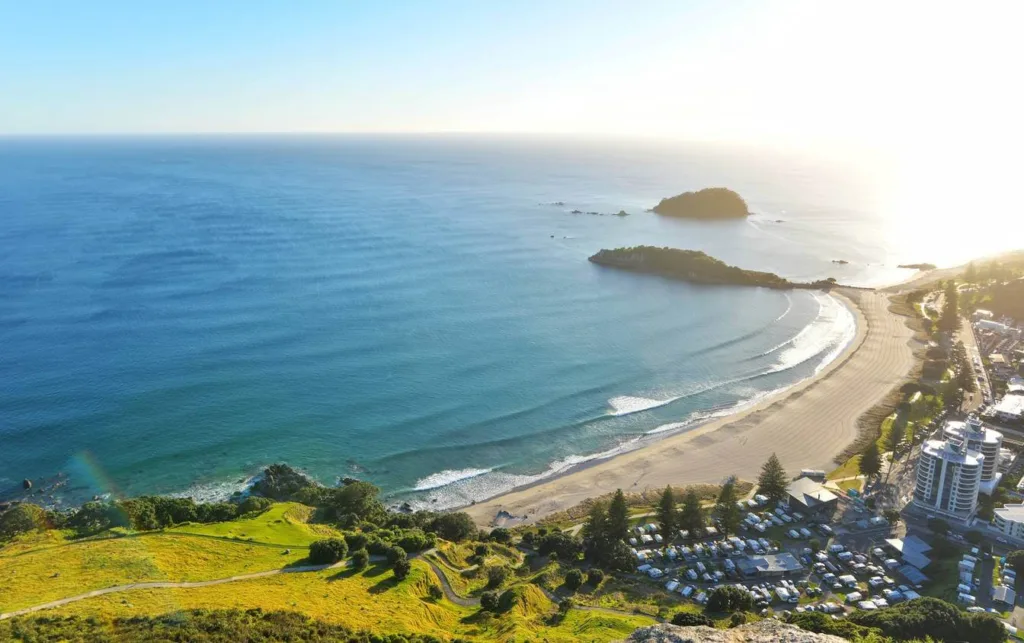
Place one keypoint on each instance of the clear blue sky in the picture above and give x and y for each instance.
(740, 69)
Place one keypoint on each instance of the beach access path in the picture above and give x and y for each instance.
(806, 426)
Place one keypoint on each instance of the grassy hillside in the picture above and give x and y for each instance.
(285, 523)
(370, 600)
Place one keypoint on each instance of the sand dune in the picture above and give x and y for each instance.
(806, 425)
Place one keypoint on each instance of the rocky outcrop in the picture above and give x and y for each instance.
(767, 631)
(709, 203)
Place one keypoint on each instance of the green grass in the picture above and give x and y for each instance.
(285, 523)
(372, 600)
(855, 484)
(849, 468)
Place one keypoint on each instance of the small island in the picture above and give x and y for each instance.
(917, 266)
(841, 262)
(709, 203)
(696, 267)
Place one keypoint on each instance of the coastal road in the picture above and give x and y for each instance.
(806, 427)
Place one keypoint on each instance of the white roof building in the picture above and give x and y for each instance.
(1010, 408)
(1009, 519)
(988, 442)
(949, 478)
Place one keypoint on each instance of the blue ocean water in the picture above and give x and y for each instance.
(415, 311)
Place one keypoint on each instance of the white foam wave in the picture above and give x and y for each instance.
(830, 331)
(626, 404)
(789, 307)
(215, 491)
(447, 477)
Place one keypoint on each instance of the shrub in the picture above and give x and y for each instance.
(510, 598)
(435, 593)
(501, 535)
(254, 504)
(395, 554)
(360, 559)
(489, 601)
(377, 547)
(565, 605)
(453, 526)
(481, 550)
(496, 576)
(402, 567)
(574, 579)
(932, 617)
(355, 540)
(328, 551)
(414, 540)
(565, 546)
(21, 519)
(686, 619)
(737, 619)
(595, 576)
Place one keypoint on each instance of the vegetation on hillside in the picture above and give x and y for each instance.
(696, 267)
(709, 203)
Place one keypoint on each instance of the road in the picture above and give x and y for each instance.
(966, 334)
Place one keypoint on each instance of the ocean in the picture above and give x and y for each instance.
(179, 312)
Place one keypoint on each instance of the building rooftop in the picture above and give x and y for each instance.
(1012, 405)
(912, 549)
(769, 564)
(952, 453)
(997, 359)
(969, 429)
(810, 493)
(1004, 594)
(1011, 512)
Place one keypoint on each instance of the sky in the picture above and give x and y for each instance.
(900, 74)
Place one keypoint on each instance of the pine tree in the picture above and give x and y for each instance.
(950, 320)
(618, 517)
(773, 481)
(726, 510)
(595, 531)
(870, 462)
(667, 517)
(971, 274)
(691, 517)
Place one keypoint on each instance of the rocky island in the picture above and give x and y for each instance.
(696, 267)
(709, 203)
(917, 266)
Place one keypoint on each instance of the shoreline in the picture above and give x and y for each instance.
(714, 450)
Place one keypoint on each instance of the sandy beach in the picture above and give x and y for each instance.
(806, 425)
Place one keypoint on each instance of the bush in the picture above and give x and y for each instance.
(510, 598)
(489, 601)
(402, 567)
(21, 519)
(360, 559)
(931, 617)
(595, 576)
(501, 535)
(737, 619)
(1016, 561)
(565, 547)
(328, 551)
(395, 554)
(355, 540)
(687, 619)
(435, 593)
(453, 526)
(414, 540)
(496, 576)
(565, 605)
(481, 550)
(254, 504)
(377, 547)
(729, 599)
(574, 579)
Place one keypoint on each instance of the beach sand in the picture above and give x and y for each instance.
(806, 426)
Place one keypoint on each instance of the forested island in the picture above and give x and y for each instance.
(709, 203)
(917, 266)
(696, 267)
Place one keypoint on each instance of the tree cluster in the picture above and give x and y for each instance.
(605, 531)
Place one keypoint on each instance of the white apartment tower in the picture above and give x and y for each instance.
(949, 478)
(981, 439)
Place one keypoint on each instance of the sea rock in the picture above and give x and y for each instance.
(766, 631)
(26, 483)
(622, 213)
(281, 482)
(841, 262)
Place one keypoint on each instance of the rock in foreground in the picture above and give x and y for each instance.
(767, 631)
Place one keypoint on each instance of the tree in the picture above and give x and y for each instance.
(595, 532)
(870, 462)
(401, 569)
(510, 598)
(726, 509)
(21, 519)
(974, 537)
(814, 544)
(595, 576)
(501, 535)
(489, 601)
(686, 619)
(328, 551)
(565, 605)
(360, 559)
(667, 517)
(691, 517)
(949, 320)
(574, 580)
(891, 515)
(453, 526)
(564, 546)
(1015, 560)
(618, 517)
(395, 554)
(619, 557)
(971, 273)
(773, 481)
(496, 576)
(358, 499)
(728, 598)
